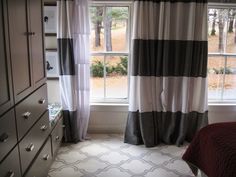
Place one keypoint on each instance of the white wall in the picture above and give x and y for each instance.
(222, 113)
(108, 118)
(112, 118)
(53, 91)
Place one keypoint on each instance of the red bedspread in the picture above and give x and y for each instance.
(213, 150)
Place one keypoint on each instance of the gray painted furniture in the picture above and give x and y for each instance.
(28, 142)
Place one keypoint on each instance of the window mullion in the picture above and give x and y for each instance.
(105, 49)
(223, 83)
(102, 52)
(104, 76)
(104, 22)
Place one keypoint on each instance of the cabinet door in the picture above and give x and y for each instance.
(19, 48)
(6, 99)
(36, 41)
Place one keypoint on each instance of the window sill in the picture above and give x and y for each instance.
(109, 107)
(127, 104)
(123, 107)
(221, 104)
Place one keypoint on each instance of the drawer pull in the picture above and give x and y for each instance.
(31, 33)
(42, 101)
(26, 115)
(44, 127)
(10, 174)
(57, 138)
(30, 147)
(4, 137)
(46, 157)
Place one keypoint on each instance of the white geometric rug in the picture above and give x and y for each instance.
(107, 156)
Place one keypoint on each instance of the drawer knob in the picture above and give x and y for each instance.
(4, 137)
(57, 138)
(26, 115)
(10, 174)
(44, 127)
(42, 101)
(30, 147)
(46, 157)
(31, 33)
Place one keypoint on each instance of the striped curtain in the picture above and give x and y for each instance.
(168, 84)
(73, 46)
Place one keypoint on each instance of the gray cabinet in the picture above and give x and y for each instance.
(6, 97)
(33, 141)
(56, 136)
(42, 163)
(29, 110)
(11, 165)
(26, 46)
(24, 121)
(36, 42)
(7, 133)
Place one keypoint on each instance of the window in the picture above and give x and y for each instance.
(221, 54)
(109, 45)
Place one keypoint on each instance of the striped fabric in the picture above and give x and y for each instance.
(168, 84)
(73, 48)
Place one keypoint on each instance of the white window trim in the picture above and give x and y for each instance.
(217, 102)
(117, 3)
(117, 102)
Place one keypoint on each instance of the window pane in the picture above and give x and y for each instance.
(215, 77)
(217, 30)
(97, 28)
(116, 26)
(231, 35)
(97, 76)
(116, 78)
(230, 79)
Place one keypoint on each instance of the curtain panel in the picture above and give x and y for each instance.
(73, 48)
(168, 85)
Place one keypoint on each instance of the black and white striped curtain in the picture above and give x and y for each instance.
(168, 84)
(73, 48)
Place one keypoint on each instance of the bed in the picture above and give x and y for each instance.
(213, 151)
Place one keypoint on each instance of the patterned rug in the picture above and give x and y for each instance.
(107, 156)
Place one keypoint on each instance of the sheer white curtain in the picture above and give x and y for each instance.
(73, 48)
(81, 32)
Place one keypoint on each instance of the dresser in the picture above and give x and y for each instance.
(28, 142)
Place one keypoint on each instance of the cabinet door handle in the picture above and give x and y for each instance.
(10, 174)
(31, 33)
(30, 147)
(42, 101)
(44, 127)
(4, 137)
(46, 157)
(26, 115)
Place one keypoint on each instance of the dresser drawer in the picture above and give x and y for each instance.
(32, 142)
(57, 135)
(7, 133)
(29, 110)
(11, 165)
(42, 163)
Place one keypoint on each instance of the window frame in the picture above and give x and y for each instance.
(221, 54)
(105, 54)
